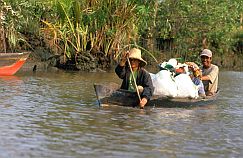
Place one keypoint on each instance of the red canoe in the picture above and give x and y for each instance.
(10, 63)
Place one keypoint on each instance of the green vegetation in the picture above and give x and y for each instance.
(98, 30)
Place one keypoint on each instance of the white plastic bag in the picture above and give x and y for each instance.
(164, 84)
(185, 87)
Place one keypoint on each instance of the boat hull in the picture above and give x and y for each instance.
(112, 95)
(10, 63)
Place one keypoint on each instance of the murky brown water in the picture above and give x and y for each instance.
(57, 115)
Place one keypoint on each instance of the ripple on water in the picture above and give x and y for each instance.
(56, 115)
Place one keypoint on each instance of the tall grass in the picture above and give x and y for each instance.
(107, 25)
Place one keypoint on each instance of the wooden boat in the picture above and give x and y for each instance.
(110, 94)
(10, 63)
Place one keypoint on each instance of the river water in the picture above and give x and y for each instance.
(46, 114)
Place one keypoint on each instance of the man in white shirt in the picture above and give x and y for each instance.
(209, 73)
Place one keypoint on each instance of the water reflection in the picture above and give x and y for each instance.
(9, 78)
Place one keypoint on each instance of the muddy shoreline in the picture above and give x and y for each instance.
(47, 66)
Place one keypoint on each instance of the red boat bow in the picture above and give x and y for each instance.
(10, 63)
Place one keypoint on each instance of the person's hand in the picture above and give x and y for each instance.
(143, 102)
(192, 66)
(198, 73)
(124, 56)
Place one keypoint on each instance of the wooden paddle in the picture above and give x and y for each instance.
(97, 95)
(134, 79)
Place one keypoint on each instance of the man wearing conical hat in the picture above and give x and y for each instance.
(143, 79)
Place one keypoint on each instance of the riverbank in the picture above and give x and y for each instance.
(42, 60)
(46, 66)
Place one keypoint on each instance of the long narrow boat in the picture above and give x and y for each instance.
(110, 94)
(10, 63)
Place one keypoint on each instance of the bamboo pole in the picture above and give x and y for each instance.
(134, 79)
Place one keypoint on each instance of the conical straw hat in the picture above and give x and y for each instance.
(136, 54)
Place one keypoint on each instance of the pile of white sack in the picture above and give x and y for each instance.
(166, 83)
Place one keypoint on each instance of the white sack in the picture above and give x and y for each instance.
(185, 87)
(164, 84)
